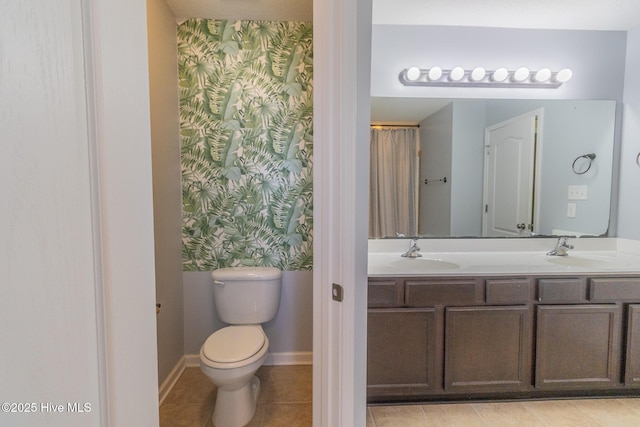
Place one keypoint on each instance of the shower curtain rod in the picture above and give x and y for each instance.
(395, 126)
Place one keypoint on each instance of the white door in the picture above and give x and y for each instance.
(509, 176)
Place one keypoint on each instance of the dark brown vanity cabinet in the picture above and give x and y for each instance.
(401, 352)
(456, 337)
(487, 349)
(578, 346)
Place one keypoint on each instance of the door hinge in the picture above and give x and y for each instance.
(337, 292)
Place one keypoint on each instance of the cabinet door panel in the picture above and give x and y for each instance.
(487, 348)
(386, 293)
(632, 371)
(578, 346)
(430, 292)
(401, 352)
(562, 291)
(508, 291)
(614, 290)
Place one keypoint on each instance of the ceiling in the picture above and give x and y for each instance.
(549, 14)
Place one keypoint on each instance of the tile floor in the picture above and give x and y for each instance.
(544, 413)
(285, 401)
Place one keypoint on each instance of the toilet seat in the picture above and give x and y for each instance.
(234, 346)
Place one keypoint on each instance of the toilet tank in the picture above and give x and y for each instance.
(246, 295)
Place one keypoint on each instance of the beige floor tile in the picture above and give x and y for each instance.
(185, 415)
(264, 373)
(560, 413)
(287, 414)
(398, 416)
(631, 402)
(609, 412)
(192, 387)
(258, 417)
(370, 422)
(289, 384)
(453, 415)
(506, 414)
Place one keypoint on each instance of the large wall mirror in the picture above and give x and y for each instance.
(492, 167)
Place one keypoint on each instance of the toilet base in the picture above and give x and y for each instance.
(236, 408)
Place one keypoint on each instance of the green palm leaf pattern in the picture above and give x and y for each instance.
(246, 128)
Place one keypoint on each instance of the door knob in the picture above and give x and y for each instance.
(521, 226)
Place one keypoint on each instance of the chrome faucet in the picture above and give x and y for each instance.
(414, 250)
(562, 246)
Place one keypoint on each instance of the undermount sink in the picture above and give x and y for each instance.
(422, 264)
(605, 263)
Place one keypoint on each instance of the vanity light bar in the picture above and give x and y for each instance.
(479, 77)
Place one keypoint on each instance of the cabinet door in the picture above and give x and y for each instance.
(401, 353)
(487, 349)
(632, 370)
(578, 346)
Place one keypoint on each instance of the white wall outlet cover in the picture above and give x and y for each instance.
(571, 210)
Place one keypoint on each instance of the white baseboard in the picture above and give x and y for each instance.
(273, 359)
(289, 358)
(192, 360)
(171, 379)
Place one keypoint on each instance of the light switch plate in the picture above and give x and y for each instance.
(578, 192)
(571, 210)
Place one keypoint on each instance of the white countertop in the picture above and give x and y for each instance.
(503, 257)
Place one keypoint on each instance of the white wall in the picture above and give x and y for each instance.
(289, 332)
(47, 274)
(629, 201)
(596, 58)
(167, 193)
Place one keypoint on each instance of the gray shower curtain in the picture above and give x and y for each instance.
(393, 186)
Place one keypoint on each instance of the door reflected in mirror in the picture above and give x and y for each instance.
(489, 190)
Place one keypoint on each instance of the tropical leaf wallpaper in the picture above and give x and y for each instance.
(246, 133)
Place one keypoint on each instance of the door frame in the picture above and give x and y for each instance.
(342, 69)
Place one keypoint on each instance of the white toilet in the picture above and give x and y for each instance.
(244, 298)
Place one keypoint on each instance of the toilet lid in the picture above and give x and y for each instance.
(233, 344)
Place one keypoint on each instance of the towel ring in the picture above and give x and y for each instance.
(590, 158)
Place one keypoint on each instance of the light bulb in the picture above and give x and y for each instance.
(542, 75)
(500, 75)
(413, 74)
(434, 73)
(478, 74)
(456, 74)
(521, 74)
(564, 75)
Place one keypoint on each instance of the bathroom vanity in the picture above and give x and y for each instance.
(491, 323)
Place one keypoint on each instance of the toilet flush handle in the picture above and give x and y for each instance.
(218, 282)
